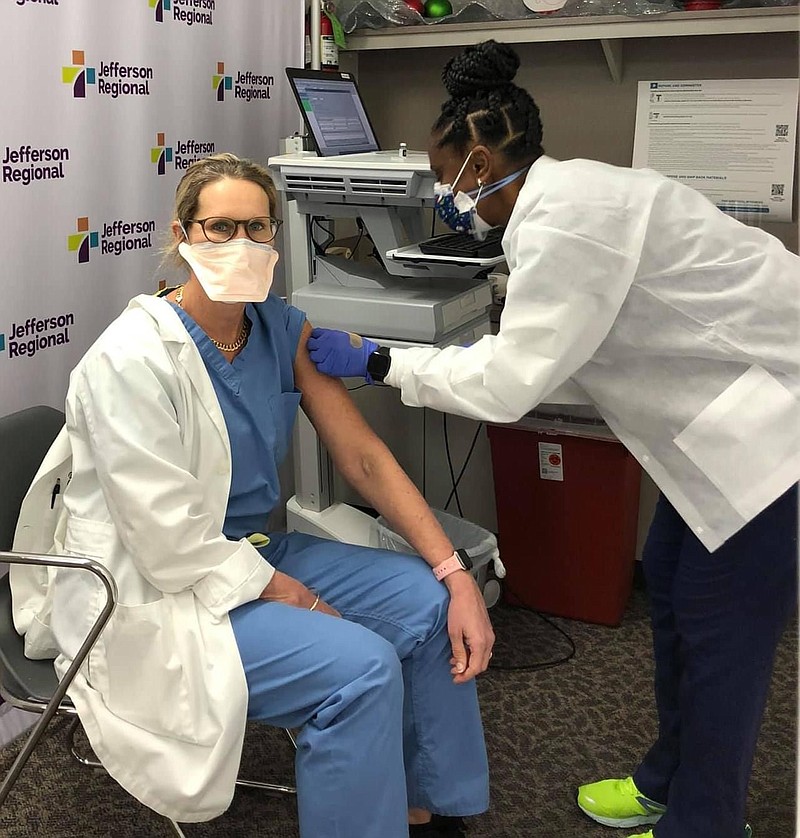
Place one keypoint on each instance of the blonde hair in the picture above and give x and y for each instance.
(209, 170)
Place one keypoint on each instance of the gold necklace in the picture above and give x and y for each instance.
(223, 347)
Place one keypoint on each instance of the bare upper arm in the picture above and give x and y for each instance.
(328, 405)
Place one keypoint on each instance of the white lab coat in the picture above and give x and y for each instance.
(680, 324)
(163, 697)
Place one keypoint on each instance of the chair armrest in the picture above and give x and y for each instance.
(77, 563)
(60, 691)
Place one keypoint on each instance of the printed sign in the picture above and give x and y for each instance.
(551, 461)
(110, 104)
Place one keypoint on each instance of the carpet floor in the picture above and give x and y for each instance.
(547, 731)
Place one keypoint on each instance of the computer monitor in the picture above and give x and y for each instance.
(333, 112)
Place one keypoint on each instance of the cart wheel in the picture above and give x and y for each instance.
(491, 592)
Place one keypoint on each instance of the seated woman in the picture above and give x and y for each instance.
(177, 420)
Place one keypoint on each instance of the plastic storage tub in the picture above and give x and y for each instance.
(480, 544)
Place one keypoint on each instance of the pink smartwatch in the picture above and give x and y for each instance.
(458, 561)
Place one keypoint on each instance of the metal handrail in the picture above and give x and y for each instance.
(77, 563)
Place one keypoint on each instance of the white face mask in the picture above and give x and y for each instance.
(236, 271)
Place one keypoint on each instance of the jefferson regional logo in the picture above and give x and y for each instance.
(185, 11)
(81, 241)
(109, 78)
(248, 85)
(161, 154)
(182, 153)
(26, 164)
(78, 75)
(220, 82)
(114, 238)
(160, 6)
(36, 334)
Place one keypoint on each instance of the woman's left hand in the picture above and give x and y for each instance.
(340, 354)
(469, 627)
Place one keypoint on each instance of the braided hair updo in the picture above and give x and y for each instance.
(486, 107)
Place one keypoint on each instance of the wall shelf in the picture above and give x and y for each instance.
(610, 30)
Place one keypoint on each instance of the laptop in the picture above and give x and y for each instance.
(337, 121)
(334, 113)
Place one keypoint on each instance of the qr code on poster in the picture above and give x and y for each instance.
(777, 190)
(782, 130)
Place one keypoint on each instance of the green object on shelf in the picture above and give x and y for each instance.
(338, 30)
(438, 8)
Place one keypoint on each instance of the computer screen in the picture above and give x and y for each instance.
(333, 112)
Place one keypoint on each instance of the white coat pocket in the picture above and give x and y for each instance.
(139, 663)
(747, 441)
(140, 672)
(78, 595)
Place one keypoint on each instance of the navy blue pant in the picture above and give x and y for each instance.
(717, 619)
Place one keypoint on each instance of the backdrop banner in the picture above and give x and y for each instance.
(105, 106)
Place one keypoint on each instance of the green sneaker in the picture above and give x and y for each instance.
(748, 833)
(618, 803)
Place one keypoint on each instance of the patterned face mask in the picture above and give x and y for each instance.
(459, 209)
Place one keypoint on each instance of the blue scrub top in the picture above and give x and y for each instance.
(259, 404)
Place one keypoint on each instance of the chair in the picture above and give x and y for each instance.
(32, 685)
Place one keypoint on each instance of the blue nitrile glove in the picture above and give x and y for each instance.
(340, 354)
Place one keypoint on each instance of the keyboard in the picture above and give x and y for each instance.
(463, 244)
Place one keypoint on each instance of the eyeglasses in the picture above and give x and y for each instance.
(217, 229)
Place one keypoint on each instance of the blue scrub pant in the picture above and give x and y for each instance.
(717, 619)
(384, 727)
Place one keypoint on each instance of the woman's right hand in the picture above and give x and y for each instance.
(283, 588)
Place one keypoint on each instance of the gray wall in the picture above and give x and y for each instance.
(585, 114)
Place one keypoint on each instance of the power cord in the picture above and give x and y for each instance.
(454, 481)
(424, 450)
(375, 254)
(454, 490)
(534, 667)
(321, 248)
(360, 225)
(450, 466)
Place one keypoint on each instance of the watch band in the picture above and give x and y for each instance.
(458, 561)
(378, 363)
